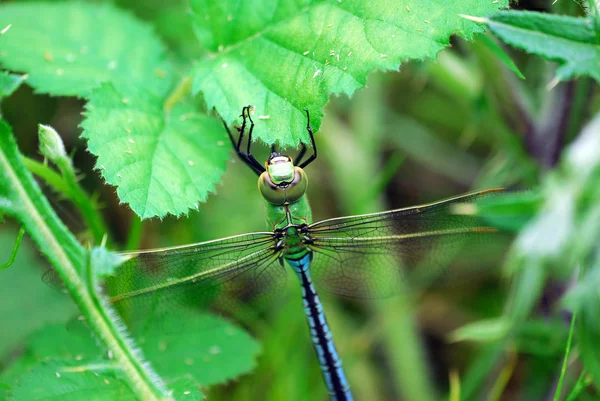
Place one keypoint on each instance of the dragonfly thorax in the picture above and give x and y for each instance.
(282, 182)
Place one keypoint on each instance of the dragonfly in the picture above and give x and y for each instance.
(362, 256)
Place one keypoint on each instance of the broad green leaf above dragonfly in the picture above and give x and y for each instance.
(362, 256)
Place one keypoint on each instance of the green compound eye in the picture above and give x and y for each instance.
(279, 194)
(297, 188)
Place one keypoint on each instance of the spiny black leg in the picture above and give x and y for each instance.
(273, 150)
(241, 131)
(252, 163)
(246, 111)
(312, 141)
(300, 155)
(236, 144)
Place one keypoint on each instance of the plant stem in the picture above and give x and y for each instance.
(582, 382)
(68, 185)
(13, 254)
(563, 370)
(547, 138)
(135, 234)
(182, 89)
(23, 199)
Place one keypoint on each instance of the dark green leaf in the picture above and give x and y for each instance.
(571, 41)
(9, 83)
(510, 211)
(73, 47)
(483, 331)
(161, 162)
(61, 380)
(206, 348)
(186, 348)
(501, 54)
(22, 285)
(584, 300)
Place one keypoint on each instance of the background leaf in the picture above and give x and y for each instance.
(49, 381)
(9, 83)
(77, 46)
(187, 349)
(205, 348)
(501, 54)
(22, 283)
(283, 57)
(571, 41)
(161, 162)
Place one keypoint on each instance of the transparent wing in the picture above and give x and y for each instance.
(368, 256)
(224, 274)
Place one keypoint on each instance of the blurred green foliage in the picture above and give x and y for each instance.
(497, 319)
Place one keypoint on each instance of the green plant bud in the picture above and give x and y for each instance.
(51, 144)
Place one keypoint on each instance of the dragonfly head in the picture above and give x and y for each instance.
(280, 168)
(282, 182)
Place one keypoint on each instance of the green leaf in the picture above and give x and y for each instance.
(568, 225)
(185, 389)
(565, 233)
(9, 83)
(501, 54)
(74, 348)
(510, 211)
(541, 336)
(162, 162)
(21, 284)
(61, 381)
(484, 330)
(283, 57)
(78, 47)
(571, 41)
(53, 342)
(203, 347)
(187, 349)
(70, 48)
(584, 300)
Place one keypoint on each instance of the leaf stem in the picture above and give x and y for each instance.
(183, 88)
(582, 382)
(563, 370)
(135, 233)
(502, 380)
(68, 185)
(47, 174)
(13, 255)
(547, 138)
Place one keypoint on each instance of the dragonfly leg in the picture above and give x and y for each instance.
(246, 114)
(312, 141)
(248, 159)
(300, 155)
